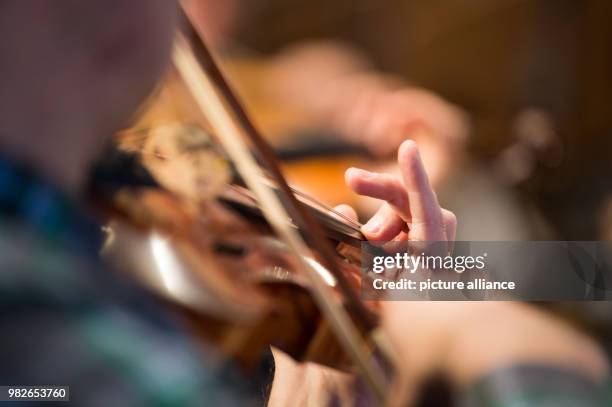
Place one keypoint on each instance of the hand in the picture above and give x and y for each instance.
(382, 118)
(336, 88)
(336, 85)
(463, 340)
(411, 213)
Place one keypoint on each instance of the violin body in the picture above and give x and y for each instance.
(185, 232)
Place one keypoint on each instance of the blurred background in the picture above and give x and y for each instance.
(532, 76)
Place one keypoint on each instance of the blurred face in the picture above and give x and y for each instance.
(80, 67)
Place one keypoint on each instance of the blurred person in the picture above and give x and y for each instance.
(335, 87)
(73, 73)
(338, 92)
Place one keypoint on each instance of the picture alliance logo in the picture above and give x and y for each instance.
(405, 262)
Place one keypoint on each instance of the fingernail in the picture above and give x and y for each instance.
(373, 225)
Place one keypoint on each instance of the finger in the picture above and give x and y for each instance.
(380, 186)
(423, 204)
(450, 225)
(384, 225)
(399, 244)
(345, 210)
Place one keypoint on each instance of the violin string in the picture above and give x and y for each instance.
(338, 230)
(325, 209)
(205, 95)
(348, 221)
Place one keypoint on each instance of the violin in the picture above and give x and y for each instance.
(201, 214)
